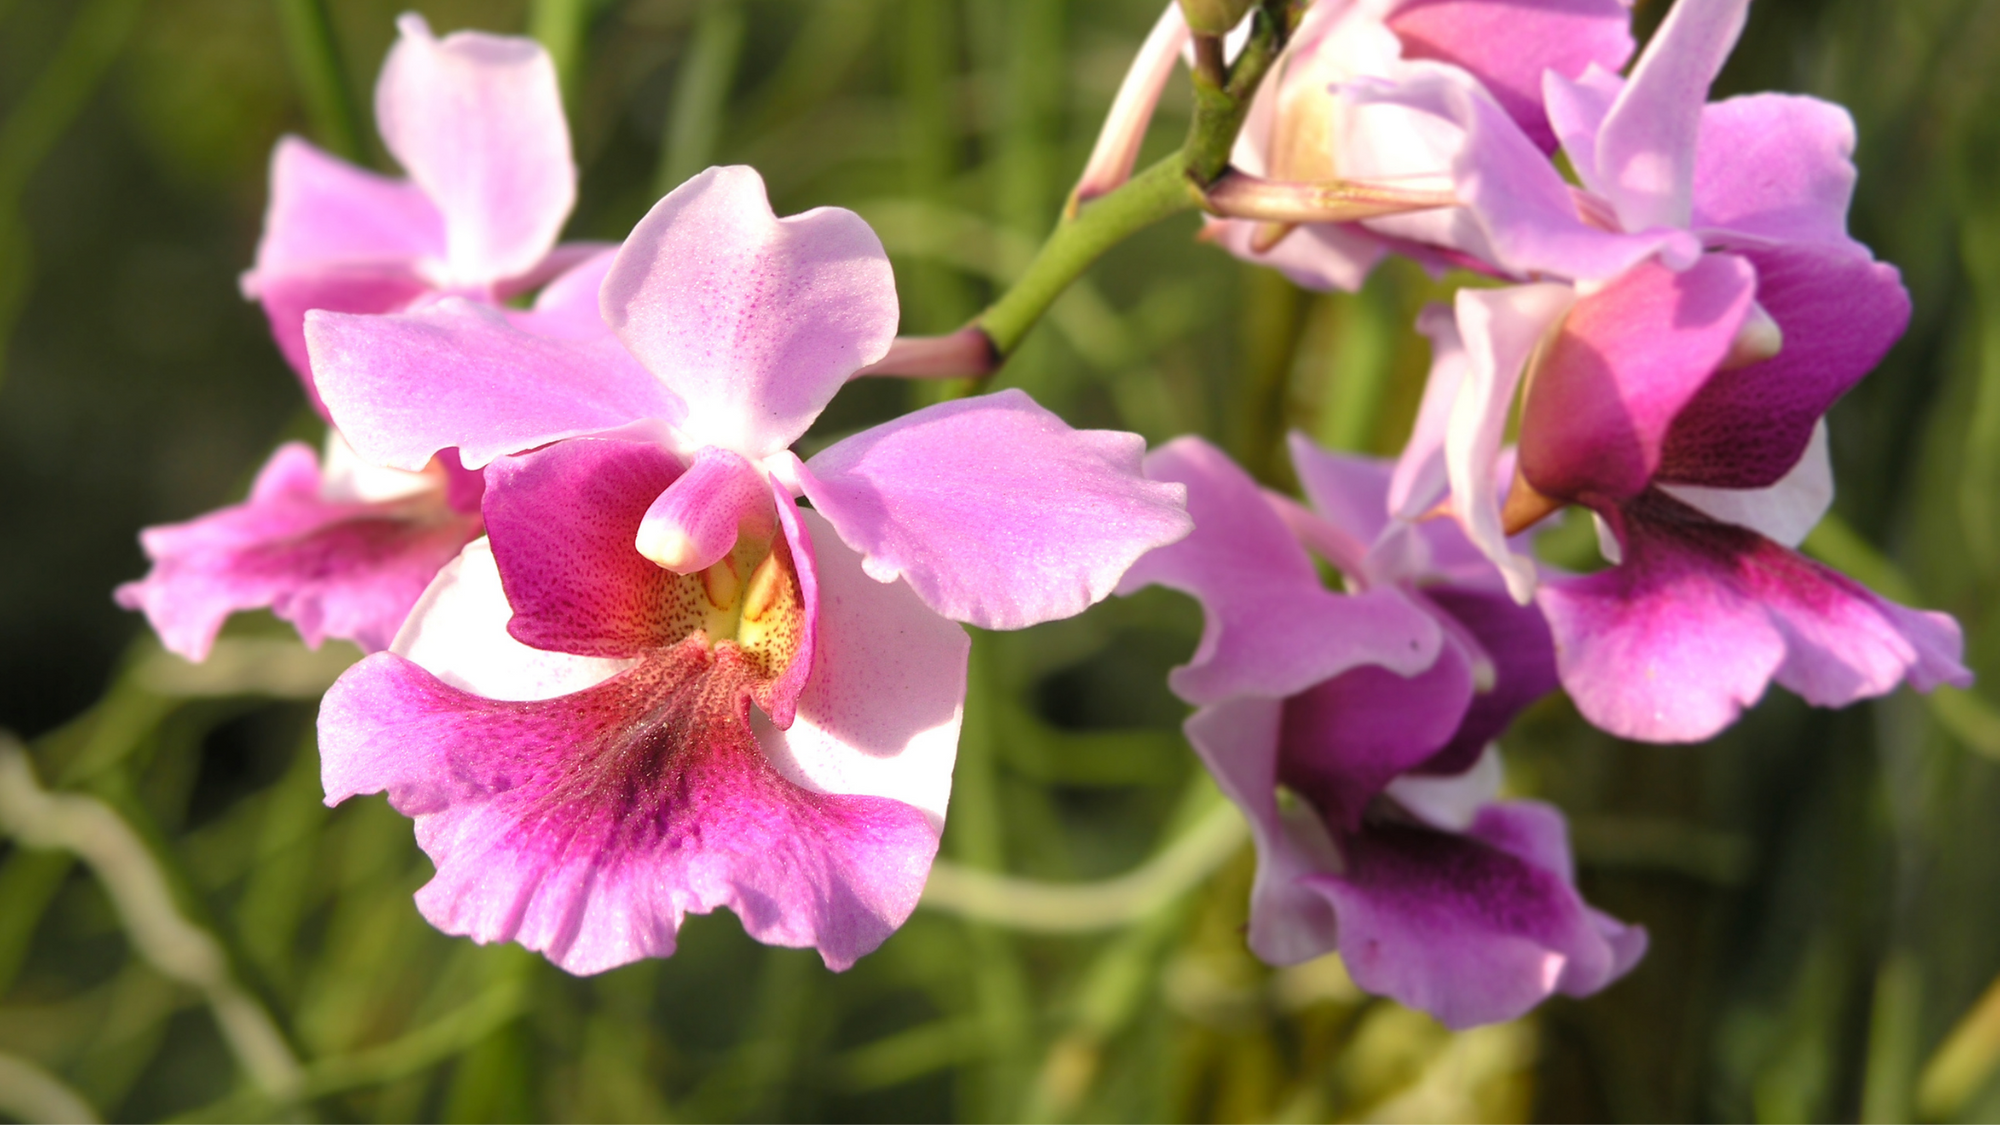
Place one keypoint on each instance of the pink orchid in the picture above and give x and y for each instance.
(1330, 110)
(663, 687)
(344, 550)
(1680, 398)
(1374, 712)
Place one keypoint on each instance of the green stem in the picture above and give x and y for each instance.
(1154, 194)
(322, 75)
(563, 28)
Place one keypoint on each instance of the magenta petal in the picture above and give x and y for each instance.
(1271, 629)
(477, 120)
(993, 509)
(1672, 644)
(345, 570)
(587, 826)
(562, 521)
(1646, 148)
(325, 213)
(1508, 46)
(1775, 168)
(754, 320)
(694, 522)
(458, 373)
(783, 698)
(1238, 741)
(1517, 647)
(1839, 314)
(1345, 739)
(1473, 929)
(1627, 360)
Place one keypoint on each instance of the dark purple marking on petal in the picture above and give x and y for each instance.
(1840, 313)
(1672, 644)
(587, 826)
(1516, 641)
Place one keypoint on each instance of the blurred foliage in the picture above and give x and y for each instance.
(1823, 889)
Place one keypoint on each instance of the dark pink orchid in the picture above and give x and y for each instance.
(1680, 397)
(1354, 731)
(345, 550)
(663, 687)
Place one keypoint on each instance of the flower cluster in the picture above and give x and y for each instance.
(631, 656)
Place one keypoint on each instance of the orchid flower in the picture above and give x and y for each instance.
(1682, 401)
(343, 549)
(1307, 126)
(661, 687)
(1354, 731)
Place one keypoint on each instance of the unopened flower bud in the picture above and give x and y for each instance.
(1214, 17)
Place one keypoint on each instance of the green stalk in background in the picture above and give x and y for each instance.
(321, 74)
(701, 94)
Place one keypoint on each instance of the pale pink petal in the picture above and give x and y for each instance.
(1420, 480)
(333, 569)
(562, 520)
(326, 213)
(587, 826)
(994, 510)
(287, 298)
(1610, 386)
(880, 713)
(1839, 314)
(1645, 155)
(1508, 46)
(755, 321)
(1272, 629)
(1124, 128)
(1784, 512)
(565, 258)
(566, 307)
(1319, 256)
(1672, 644)
(1501, 329)
(1577, 108)
(458, 633)
(1775, 168)
(696, 520)
(1238, 741)
(1515, 212)
(477, 120)
(1471, 929)
(460, 374)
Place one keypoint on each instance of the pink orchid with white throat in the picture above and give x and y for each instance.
(663, 687)
(1355, 733)
(340, 547)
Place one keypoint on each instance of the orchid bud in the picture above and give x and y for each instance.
(1214, 17)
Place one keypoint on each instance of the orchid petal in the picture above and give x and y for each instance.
(1420, 479)
(1612, 383)
(331, 568)
(1775, 168)
(460, 374)
(477, 120)
(1124, 128)
(1784, 512)
(1673, 643)
(1344, 739)
(1318, 256)
(586, 827)
(1271, 629)
(459, 633)
(880, 712)
(566, 308)
(1645, 156)
(1451, 802)
(1513, 646)
(1577, 108)
(994, 510)
(1839, 315)
(1472, 929)
(1508, 47)
(755, 321)
(1501, 329)
(325, 212)
(695, 522)
(287, 298)
(1238, 741)
(563, 520)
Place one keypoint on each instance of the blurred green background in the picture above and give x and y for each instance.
(1823, 889)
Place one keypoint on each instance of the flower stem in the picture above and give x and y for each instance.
(322, 76)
